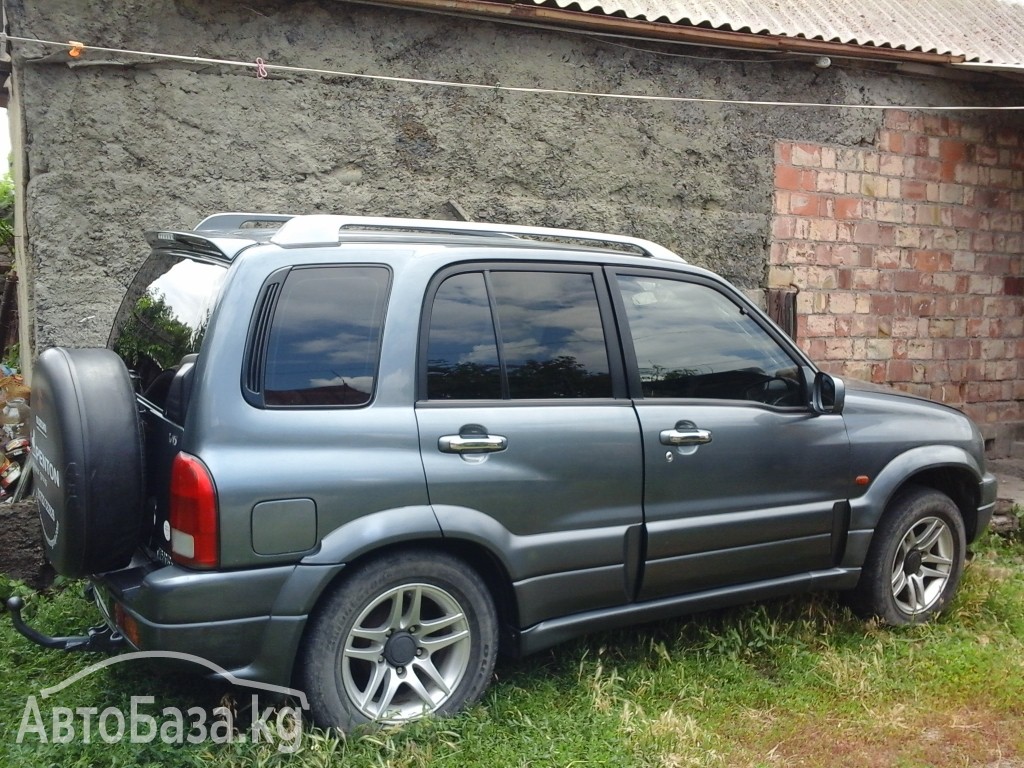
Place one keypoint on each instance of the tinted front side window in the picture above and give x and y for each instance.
(692, 341)
(517, 335)
(325, 338)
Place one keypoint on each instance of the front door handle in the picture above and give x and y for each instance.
(685, 433)
(472, 438)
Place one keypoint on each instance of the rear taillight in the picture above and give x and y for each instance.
(193, 514)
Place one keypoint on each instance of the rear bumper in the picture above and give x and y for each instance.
(249, 623)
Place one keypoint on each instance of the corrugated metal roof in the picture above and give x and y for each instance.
(986, 31)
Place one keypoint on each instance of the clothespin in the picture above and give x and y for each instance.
(76, 49)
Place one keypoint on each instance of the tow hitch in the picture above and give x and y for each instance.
(101, 639)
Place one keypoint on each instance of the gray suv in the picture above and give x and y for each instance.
(361, 456)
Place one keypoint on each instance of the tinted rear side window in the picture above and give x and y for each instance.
(324, 340)
(552, 338)
(462, 352)
(514, 334)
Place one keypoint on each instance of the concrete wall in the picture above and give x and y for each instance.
(116, 144)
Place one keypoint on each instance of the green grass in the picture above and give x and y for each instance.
(788, 683)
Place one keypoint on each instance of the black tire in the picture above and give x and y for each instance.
(915, 560)
(87, 459)
(371, 654)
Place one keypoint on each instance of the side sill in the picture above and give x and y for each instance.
(554, 631)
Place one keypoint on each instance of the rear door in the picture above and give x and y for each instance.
(528, 437)
(743, 482)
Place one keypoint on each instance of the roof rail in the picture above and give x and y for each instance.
(232, 222)
(324, 229)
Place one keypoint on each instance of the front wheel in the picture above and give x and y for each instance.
(405, 636)
(915, 561)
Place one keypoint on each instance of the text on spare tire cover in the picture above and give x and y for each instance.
(52, 474)
(44, 464)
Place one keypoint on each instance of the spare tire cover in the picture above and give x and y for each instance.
(87, 459)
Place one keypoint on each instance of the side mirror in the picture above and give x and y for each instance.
(828, 394)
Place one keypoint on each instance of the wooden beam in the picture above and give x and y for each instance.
(677, 33)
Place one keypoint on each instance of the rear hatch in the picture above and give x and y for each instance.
(158, 332)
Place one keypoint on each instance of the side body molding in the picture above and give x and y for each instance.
(539, 554)
(553, 573)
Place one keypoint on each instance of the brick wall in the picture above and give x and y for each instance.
(907, 256)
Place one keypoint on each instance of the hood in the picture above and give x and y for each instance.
(859, 385)
(885, 422)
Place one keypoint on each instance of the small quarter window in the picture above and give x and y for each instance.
(462, 355)
(325, 337)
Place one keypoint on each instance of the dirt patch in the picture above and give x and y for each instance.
(1007, 467)
(21, 550)
(969, 736)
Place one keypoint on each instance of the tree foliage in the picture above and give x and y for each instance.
(153, 334)
(7, 211)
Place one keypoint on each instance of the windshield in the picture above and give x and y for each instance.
(164, 314)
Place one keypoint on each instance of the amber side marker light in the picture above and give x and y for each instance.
(862, 480)
(127, 624)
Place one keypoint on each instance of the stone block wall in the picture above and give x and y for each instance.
(907, 255)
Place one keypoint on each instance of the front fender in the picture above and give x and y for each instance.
(867, 510)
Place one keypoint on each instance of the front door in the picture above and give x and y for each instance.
(743, 482)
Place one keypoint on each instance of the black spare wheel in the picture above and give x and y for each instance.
(87, 453)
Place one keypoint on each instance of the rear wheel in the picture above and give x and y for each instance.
(915, 561)
(403, 637)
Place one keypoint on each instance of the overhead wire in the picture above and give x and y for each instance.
(262, 67)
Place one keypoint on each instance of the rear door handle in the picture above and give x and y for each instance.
(685, 433)
(472, 438)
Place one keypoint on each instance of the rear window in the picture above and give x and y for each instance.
(164, 314)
